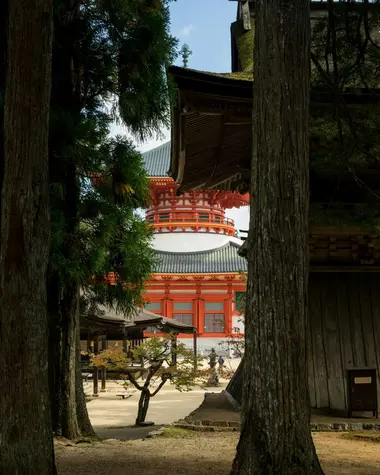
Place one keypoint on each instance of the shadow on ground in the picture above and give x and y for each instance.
(203, 454)
(149, 457)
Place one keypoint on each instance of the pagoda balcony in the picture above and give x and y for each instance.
(197, 222)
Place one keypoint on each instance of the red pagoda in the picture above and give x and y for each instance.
(199, 277)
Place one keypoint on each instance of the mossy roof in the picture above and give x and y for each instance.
(244, 40)
(238, 75)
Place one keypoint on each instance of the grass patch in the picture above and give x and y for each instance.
(177, 433)
(365, 436)
(90, 440)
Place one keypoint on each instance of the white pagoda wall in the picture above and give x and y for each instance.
(190, 242)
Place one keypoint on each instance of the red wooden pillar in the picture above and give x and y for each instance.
(166, 303)
(201, 316)
(169, 308)
(228, 311)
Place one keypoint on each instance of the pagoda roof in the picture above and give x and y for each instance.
(221, 260)
(157, 160)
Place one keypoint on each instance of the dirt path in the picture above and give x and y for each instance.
(203, 454)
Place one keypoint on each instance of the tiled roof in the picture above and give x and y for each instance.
(157, 161)
(221, 260)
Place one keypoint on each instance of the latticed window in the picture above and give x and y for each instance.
(186, 318)
(154, 306)
(214, 317)
(214, 323)
(183, 312)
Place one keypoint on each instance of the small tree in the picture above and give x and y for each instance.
(235, 339)
(162, 361)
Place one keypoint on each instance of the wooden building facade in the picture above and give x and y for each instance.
(211, 148)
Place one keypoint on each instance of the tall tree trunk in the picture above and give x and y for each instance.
(3, 67)
(68, 409)
(53, 290)
(275, 437)
(82, 413)
(25, 430)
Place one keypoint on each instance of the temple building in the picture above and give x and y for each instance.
(199, 277)
(211, 150)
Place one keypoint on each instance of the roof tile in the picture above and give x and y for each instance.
(157, 161)
(221, 260)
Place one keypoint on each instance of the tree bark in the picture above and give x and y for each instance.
(3, 60)
(143, 406)
(54, 291)
(84, 422)
(275, 436)
(25, 431)
(68, 409)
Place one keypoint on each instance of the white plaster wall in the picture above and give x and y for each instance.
(238, 323)
(204, 346)
(190, 242)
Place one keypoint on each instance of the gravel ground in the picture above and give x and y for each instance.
(203, 454)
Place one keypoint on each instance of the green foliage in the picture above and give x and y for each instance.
(345, 135)
(360, 215)
(156, 355)
(346, 58)
(345, 43)
(139, 30)
(109, 60)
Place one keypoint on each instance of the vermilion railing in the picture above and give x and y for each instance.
(197, 220)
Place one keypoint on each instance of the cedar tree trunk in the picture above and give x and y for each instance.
(68, 409)
(275, 436)
(53, 291)
(84, 422)
(74, 417)
(26, 446)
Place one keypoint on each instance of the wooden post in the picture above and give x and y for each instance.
(104, 370)
(95, 391)
(195, 348)
(174, 349)
(125, 349)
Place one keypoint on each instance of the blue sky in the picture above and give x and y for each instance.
(205, 26)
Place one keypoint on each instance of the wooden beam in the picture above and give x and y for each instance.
(344, 269)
